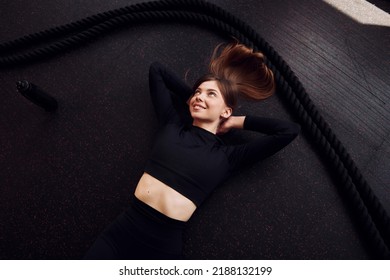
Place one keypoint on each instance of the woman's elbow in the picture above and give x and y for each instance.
(292, 131)
(295, 129)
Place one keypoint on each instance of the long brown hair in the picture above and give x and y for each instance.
(238, 70)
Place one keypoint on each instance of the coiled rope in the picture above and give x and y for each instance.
(373, 218)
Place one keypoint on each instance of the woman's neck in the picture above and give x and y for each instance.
(209, 126)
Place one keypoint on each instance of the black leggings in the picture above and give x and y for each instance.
(142, 233)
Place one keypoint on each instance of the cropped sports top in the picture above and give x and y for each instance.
(194, 161)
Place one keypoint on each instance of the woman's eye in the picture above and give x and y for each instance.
(211, 93)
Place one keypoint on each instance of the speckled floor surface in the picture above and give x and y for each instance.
(65, 176)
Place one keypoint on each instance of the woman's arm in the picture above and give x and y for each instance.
(276, 135)
(234, 122)
(164, 85)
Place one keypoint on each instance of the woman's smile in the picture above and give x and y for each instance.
(198, 106)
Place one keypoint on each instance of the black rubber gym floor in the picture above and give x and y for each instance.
(65, 176)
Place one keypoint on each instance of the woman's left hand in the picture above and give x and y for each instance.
(232, 122)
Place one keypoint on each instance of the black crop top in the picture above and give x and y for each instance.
(194, 161)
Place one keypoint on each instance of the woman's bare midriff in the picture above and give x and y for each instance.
(164, 199)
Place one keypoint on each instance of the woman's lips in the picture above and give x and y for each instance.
(198, 106)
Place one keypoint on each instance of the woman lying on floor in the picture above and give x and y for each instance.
(189, 160)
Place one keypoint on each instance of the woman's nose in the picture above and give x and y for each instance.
(199, 97)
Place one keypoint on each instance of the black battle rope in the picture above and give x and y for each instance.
(372, 216)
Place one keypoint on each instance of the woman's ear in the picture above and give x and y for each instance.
(227, 113)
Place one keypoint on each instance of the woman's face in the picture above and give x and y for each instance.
(207, 103)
